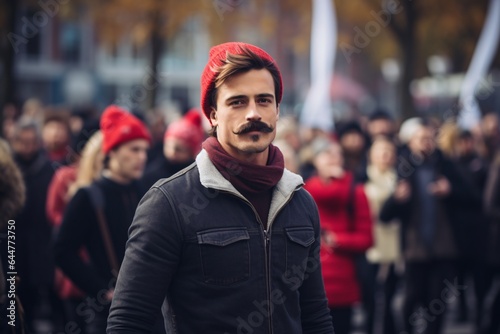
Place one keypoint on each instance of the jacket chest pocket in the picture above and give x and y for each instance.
(298, 242)
(225, 255)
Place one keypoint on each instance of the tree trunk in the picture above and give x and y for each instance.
(153, 78)
(8, 83)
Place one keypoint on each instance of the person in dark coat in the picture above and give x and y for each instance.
(34, 257)
(492, 207)
(98, 216)
(428, 192)
(182, 142)
(471, 228)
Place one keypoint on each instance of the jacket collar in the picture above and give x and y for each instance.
(210, 177)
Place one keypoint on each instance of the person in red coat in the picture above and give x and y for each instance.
(346, 229)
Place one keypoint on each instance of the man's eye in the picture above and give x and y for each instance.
(264, 100)
(236, 103)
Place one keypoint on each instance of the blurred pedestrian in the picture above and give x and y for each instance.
(58, 194)
(470, 223)
(182, 142)
(354, 145)
(490, 130)
(384, 257)
(56, 136)
(65, 182)
(225, 243)
(34, 258)
(346, 229)
(492, 206)
(428, 191)
(98, 216)
(381, 123)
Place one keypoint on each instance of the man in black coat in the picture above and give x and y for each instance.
(34, 257)
(425, 200)
(231, 243)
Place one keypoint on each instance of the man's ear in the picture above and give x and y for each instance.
(213, 117)
(278, 112)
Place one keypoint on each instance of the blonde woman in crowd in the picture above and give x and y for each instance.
(385, 253)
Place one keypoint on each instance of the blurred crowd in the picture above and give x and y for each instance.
(411, 208)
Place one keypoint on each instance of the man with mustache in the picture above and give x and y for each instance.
(231, 243)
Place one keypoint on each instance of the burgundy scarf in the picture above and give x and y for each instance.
(244, 176)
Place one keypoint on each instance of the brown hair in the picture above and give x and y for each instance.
(240, 63)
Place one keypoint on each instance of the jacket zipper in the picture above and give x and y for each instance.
(266, 233)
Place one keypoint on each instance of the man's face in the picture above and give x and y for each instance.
(352, 142)
(129, 159)
(382, 154)
(246, 114)
(26, 144)
(379, 127)
(55, 135)
(423, 141)
(177, 151)
(465, 146)
(329, 161)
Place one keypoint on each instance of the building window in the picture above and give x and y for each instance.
(70, 41)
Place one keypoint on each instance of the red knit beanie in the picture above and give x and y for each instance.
(216, 56)
(188, 129)
(119, 126)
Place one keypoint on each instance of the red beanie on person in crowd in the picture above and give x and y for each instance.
(188, 129)
(118, 126)
(217, 55)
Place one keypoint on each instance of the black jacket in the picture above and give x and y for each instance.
(198, 242)
(80, 227)
(460, 198)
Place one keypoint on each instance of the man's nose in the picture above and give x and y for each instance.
(252, 112)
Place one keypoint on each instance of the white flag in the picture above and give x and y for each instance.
(470, 114)
(317, 111)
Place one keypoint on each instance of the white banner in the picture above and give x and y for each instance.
(317, 111)
(470, 114)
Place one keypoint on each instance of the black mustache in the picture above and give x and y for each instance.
(254, 126)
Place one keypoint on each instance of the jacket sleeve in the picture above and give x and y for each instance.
(151, 258)
(315, 315)
(463, 192)
(392, 209)
(491, 194)
(361, 238)
(73, 234)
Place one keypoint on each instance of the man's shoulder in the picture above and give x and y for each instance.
(184, 177)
